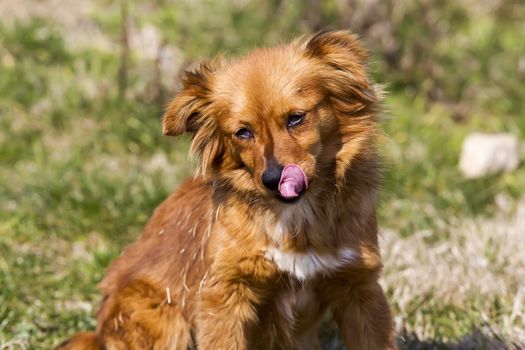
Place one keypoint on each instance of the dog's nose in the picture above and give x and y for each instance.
(272, 176)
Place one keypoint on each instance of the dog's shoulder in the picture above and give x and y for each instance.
(191, 202)
(173, 231)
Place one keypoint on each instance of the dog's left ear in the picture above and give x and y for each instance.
(343, 65)
(347, 61)
(340, 48)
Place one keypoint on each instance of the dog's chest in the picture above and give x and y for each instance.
(303, 265)
(307, 265)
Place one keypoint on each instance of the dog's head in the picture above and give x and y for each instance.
(280, 122)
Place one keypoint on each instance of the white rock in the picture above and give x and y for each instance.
(485, 154)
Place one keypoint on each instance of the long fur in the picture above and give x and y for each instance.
(223, 263)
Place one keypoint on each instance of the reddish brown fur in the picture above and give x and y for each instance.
(219, 244)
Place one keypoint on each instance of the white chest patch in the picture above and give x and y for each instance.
(306, 265)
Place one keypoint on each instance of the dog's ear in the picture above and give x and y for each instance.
(185, 111)
(342, 53)
(340, 48)
(343, 65)
(191, 111)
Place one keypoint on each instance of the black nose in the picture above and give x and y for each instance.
(272, 176)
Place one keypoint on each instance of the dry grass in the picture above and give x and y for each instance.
(477, 271)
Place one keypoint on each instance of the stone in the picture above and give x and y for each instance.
(487, 154)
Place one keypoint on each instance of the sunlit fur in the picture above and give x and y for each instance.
(223, 263)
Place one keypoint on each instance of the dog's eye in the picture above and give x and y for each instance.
(295, 119)
(244, 134)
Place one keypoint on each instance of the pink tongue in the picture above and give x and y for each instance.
(293, 181)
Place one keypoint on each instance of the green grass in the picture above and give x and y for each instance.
(81, 169)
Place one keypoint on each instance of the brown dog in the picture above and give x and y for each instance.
(279, 227)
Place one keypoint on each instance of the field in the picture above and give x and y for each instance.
(83, 162)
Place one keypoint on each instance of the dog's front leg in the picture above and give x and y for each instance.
(226, 312)
(364, 318)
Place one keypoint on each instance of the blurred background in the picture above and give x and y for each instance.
(83, 162)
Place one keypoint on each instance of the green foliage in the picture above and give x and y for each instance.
(422, 182)
(36, 41)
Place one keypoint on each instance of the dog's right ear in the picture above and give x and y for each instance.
(186, 110)
(191, 111)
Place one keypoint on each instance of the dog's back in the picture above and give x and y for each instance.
(81, 341)
(146, 300)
